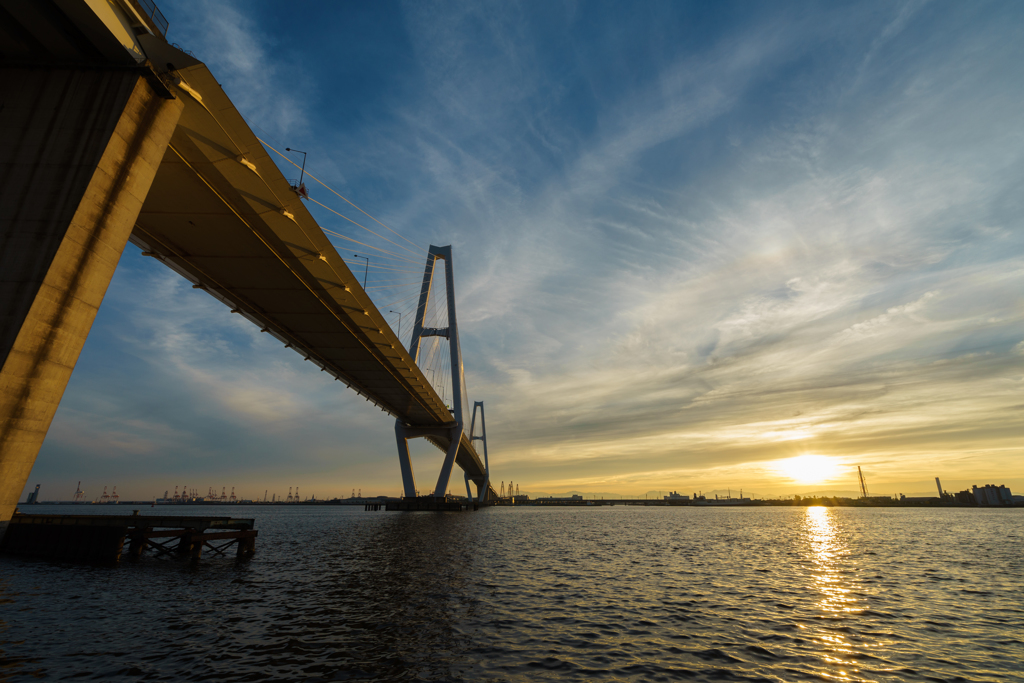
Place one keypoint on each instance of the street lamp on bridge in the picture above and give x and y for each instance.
(300, 188)
(367, 271)
(399, 321)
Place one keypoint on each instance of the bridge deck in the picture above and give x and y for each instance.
(245, 236)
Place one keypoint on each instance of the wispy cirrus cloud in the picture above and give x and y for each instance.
(254, 63)
(686, 246)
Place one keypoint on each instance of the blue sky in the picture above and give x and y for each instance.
(692, 240)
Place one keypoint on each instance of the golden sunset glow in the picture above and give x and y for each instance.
(810, 469)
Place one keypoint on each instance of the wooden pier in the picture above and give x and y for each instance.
(101, 538)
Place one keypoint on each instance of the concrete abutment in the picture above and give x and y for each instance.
(79, 149)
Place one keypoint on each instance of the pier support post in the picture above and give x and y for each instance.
(185, 543)
(78, 152)
(246, 547)
(137, 545)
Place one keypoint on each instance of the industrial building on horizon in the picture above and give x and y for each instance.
(990, 494)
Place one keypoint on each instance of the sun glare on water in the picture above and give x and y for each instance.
(810, 469)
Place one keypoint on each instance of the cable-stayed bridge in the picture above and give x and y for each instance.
(110, 134)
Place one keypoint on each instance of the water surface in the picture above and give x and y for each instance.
(542, 594)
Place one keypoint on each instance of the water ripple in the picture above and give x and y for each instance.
(540, 594)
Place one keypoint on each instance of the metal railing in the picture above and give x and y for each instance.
(179, 47)
(155, 14)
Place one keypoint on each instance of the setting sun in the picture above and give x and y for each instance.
(809, 469)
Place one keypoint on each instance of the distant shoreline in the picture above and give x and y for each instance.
(803, 502)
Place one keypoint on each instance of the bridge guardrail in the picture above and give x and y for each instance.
(155, 14)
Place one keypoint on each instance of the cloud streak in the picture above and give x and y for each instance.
(684, 249)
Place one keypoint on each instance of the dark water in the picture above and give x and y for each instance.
(534, 594)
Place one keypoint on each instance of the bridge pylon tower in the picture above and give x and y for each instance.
(454, 431)
(482, 489)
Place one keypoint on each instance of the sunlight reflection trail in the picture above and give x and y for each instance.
(827, 551)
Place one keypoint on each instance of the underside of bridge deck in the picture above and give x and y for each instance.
(221, 214)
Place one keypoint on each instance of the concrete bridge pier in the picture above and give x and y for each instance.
(79, 148)
(453, 435)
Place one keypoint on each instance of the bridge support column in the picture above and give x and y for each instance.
(405, 461)
(78, 152)
(449, 462)
(438, 435)
(484, 486)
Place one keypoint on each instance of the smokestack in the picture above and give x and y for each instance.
(938, 486)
